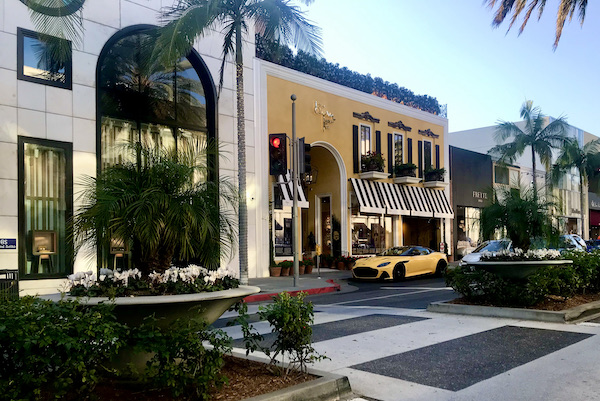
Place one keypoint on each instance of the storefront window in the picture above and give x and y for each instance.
(468, 230)
(46, 198)
(370, 234)
(282, 229)
(365, 139)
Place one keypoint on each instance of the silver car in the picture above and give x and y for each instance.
(488, 246)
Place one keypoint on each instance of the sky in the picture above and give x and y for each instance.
(448, 49)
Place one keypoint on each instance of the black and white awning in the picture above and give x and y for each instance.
(393, 199)
(287, 190)
(401, 200)
(367, 196)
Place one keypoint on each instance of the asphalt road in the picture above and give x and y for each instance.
(412, 293)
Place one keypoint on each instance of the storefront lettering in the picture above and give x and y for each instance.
(480, 196)
(594, 203)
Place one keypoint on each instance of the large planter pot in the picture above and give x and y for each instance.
(308, 269)
(275, 271)
(285, 271)
(301, 269)
(517, 269)
(131, 311)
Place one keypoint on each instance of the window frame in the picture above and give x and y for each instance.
(431, 165)
(67, 147)
(22, 33)
(395, 140)
(360, 140)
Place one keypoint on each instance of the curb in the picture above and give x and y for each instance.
(310, 291)
(574, 315)
(327, 387)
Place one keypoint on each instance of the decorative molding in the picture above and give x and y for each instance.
(399, 125)
(428, 133)
(327, 118)
(366, 116)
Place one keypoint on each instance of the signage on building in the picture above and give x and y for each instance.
(594, 201)
(471, 177)
(8, 243)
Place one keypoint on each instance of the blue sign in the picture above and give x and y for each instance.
(8, 243)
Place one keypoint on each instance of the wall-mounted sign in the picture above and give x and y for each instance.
(327, 117)
(8, 243)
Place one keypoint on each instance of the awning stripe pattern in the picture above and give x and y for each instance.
(393, 199)
(368, 198)
(287, 188)
(401, 200)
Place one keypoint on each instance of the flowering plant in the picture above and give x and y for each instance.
(372, 161)
(519, 255)
(175, 280)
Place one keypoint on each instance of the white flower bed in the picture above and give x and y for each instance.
(519, 255)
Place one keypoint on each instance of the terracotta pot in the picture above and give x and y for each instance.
(308, 269)
(275, 271)
(341, 266)
(301, 269)
(285, 271)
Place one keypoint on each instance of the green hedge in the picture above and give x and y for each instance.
(311, 65)
(564, 281)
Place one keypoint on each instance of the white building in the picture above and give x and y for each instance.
(521, 172)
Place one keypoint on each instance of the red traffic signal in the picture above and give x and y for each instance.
(277, 154)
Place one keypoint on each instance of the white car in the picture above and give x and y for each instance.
(572, 242)
(488, 246)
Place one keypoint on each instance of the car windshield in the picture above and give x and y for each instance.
(395, 251)
(492, 246)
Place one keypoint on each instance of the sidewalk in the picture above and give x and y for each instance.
(330, 280)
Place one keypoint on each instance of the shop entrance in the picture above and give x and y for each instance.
(421, 231)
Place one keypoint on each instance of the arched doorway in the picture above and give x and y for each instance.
(327, 217)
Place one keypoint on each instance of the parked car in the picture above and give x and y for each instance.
(492, 246)
(399, 262)
(592, 244)
(572, 242)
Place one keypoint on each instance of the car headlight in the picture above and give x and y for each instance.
(462, 263)
(383, 264)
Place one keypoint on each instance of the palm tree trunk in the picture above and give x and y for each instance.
(242, 207)
(581, 201)
(535, 194)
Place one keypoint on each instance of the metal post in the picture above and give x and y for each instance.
(295, 194)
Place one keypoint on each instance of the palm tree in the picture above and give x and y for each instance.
(160, 208)
(540, 139)
(274, 19)
(584, 160)
(567, 8)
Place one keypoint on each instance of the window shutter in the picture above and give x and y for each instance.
(437, 156)
(390, 153)
(420, 157)
(355, 151)
(409, 150)
(378, 142)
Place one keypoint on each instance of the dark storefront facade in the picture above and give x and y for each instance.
(594, 207)
(471, 181)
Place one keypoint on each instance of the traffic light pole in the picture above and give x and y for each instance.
(295, 194)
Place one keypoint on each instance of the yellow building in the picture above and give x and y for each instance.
(347, 209)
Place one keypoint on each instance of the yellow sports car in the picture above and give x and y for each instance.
(399, 262)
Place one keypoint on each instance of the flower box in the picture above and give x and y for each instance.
(373, 175)
(435, 184)
(407, 180)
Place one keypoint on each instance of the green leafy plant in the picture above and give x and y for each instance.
(182, 361)
(286, 264)
(290, 318)
(372, 161)
(157, 206)
(405, 170)
(54, 350)
(434, 174)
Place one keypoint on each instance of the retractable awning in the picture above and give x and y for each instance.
(417, 200)
(393, 199)
(287, 189)
(439, 203)
(368, 198)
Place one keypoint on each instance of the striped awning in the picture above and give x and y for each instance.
(287, 189)
(368, 198)
(417, 200)
(439, 203)
(393, 199)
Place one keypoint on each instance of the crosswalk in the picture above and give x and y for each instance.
(392, 354)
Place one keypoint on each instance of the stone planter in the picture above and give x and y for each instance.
(517, 269)
(373, 175)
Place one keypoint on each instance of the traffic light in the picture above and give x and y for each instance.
(277, 154)
(304, 156)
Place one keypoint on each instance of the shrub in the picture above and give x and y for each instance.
(587, 266)
(181, 361)
(55, 349)
(290, 318)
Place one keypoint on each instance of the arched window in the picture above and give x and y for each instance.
(141, 100)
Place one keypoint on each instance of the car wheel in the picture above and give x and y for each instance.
(399, 271)
(441, 268)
